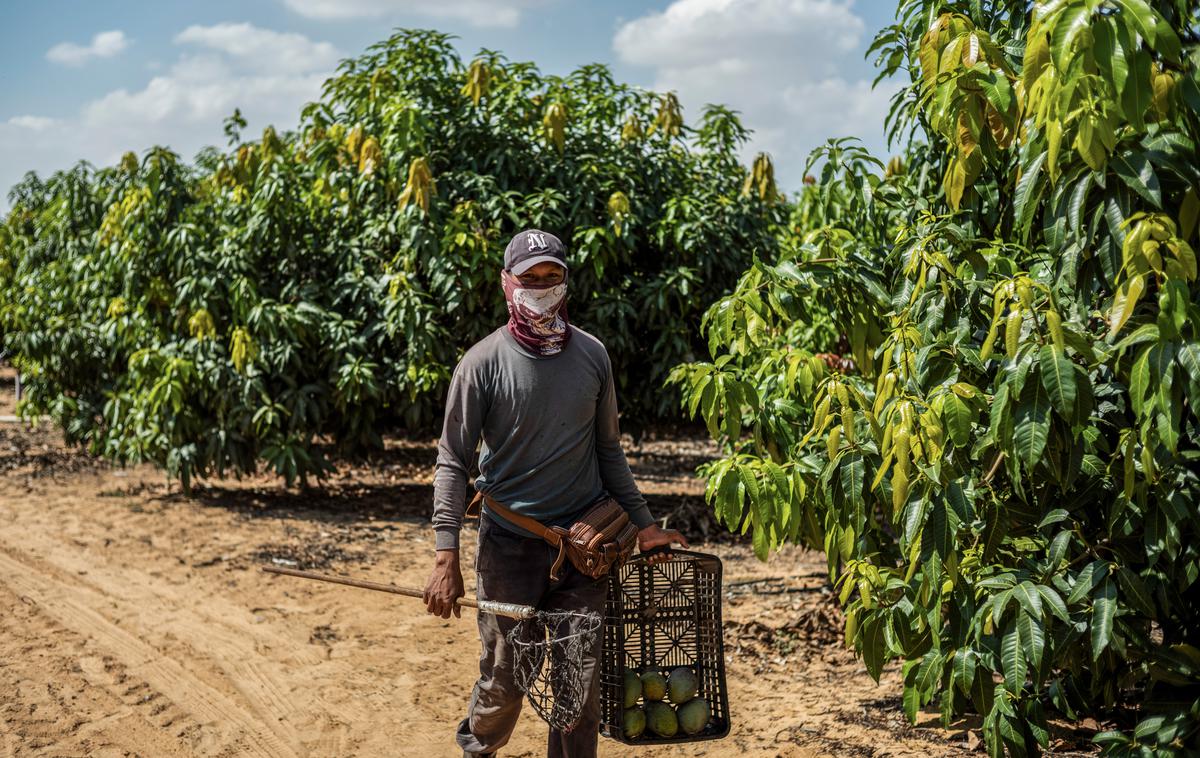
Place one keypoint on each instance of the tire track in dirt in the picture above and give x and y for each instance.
(166, 608)
(262, 655)
(75, 608)
(67, 689)
(209, 629)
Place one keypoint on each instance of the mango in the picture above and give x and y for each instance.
(682, 685)
(654, 686)
(633, 688)
(693, 715)
(661, 720)
(634, 722)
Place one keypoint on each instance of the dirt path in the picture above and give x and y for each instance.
(133, 621)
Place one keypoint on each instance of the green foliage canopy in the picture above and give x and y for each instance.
(1004, 471)
(321, 283)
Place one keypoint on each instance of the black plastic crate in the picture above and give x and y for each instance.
(663, 616)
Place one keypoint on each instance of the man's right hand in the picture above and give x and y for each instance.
(445, 585)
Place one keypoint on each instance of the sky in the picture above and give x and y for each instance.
(91, 80)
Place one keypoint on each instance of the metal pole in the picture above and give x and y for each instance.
(512, 610)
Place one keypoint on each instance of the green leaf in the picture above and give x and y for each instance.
(911, 699)
(1189, 213)
(963, 673)
(1109, 60)
(1161, 362)
(939, 532)
(955, 182)
(1116, 210)
(1027, 596)
(1143, 17)
(1035, 722)
(1137, 94)
(1189, 357)
(746, 474)
(1032, 427)
(729, 497)
(697, 393)
(1139, 379)
(960, 504)
(999, 604)
(958, 417)
(1144, 333)
(928, 674)
(853, 471)
(1112, 737)
(1029, 191)
(1053, 517)
(1104, 610)
(708, 408)
(1137, 172)
(874, 648)
(1033, 638)
(1087, 580)
(999, 417)
(998, 91)
(1054, 601)
(1073, 20)
(750, 395)
(733, 409)
(1136, 592)
(1058, 378)
(1012, 659)
(1058, 550)
(761, 540)
(1077, 206)
(1124, 302)
(779, 480)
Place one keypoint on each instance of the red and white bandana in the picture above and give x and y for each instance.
(537, 315)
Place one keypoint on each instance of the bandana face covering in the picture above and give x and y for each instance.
(537, 315)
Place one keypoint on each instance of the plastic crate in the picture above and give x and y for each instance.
(663, 616)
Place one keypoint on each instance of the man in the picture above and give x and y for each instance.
(540, 393)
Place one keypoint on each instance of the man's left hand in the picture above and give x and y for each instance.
(653, 536)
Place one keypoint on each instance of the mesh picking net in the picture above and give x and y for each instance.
(548, 652)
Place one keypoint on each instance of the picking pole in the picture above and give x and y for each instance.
(511, 610)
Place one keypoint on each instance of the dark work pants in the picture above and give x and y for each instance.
(515, 569)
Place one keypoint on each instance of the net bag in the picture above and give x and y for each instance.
(548, 654)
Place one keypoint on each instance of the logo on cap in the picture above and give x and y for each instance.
(536, 241)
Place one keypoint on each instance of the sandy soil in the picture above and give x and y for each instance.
(134, 621)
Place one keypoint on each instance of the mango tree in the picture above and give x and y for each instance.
(1002, 461)
(302, 291)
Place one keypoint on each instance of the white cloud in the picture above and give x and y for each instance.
(268, 75)
(35, 123)
(692, 32)
(262, 49)
(104, 45)
(475, 12)
(781, 63)
(189, 100)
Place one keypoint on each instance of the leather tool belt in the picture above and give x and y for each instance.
(601, 538)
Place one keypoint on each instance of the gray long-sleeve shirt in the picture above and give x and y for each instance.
(549, 429)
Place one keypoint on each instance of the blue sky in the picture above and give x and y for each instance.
(90, 80)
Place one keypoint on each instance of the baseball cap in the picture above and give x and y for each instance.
(531, 247)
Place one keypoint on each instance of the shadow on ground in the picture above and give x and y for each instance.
(333, 503)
